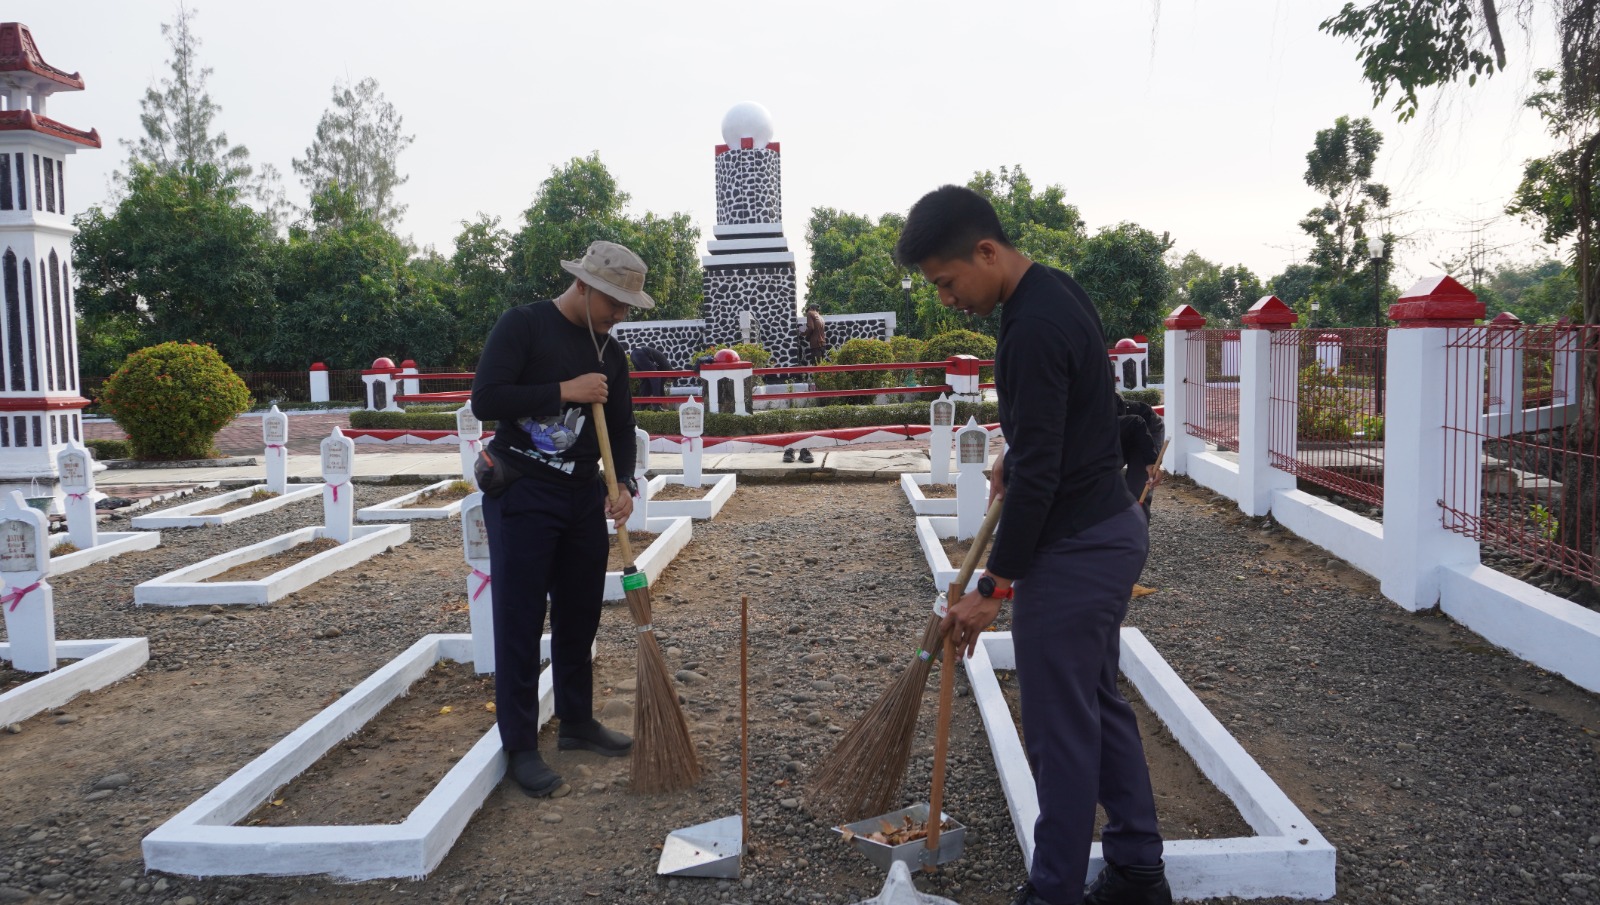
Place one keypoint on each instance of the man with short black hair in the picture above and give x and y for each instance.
(1070, 545)
(543, 367)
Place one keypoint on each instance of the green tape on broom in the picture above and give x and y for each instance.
(633, 581)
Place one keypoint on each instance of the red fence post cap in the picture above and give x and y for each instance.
(408, 363)
(1184, 317)
(318, 366)
(1270, 313)
(962, 365)
(726, 357)
(382, 363)
(1506, 319)
(1436, 302)
(1125, 347)
(1332, 338)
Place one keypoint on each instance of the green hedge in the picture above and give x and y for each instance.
(771, 421)
(1148, 397)
(109, 449)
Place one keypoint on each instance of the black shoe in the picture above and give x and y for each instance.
(805, 456)
(533, 774)
(592, 736)
(788, 455)
(1026, 896)
(1129, 886)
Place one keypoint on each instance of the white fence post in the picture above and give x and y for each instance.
(1184, 366)
(1257, 478)
(965, 377)
(1505, 376)
(1416, 537)
(319, 383)
(410, 387)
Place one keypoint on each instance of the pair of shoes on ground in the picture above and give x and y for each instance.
(1115, 886)
(805, 456)
(536, 777)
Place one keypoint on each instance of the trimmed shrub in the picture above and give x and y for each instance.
(857, 352)
(411, 419)
(959, 342)
(173, 398)
(109, 449)
(1148, 397)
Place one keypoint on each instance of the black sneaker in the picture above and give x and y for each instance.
(1026, 896)
(1129, 886)
(805, 456)
(533, 774)
(788, 455)
(593, 736)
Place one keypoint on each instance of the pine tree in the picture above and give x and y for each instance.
(359, 141)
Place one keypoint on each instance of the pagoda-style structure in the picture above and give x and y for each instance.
(39, 394)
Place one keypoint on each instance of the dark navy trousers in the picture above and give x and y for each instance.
(546, 540)
(1081, 737)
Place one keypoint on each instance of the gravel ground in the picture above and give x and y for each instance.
(1443, 770)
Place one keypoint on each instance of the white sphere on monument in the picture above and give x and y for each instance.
(747, 120)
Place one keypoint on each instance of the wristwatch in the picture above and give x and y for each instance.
(986, 588)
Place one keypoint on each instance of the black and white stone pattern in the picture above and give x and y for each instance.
(749, 186)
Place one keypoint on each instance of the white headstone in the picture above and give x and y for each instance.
(480, 584)
(275, 435)
(638, 520)
(28, 603)
(941, 416)
(338, 497)
(469, 434)
(972, 488)
(692, 424)
(76, 470)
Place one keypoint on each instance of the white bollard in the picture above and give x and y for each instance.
(338, 497)
(275, 434)
(972, 488)
(28, 601)
(76, 470)
(692, 424)
(480, 583)
(469, 433)
(942, 417)
(641, 463)
(319, 382)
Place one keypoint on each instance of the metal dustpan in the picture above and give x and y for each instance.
(714, 849)
(899, 890)
(913, 854)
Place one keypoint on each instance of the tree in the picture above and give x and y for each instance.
(478, 271)
(1225, 297)
(581, 202)
(178, 118)
(180, 258)
(358, 145)
(1339, 166)
(1124, 270)
(1192, 267)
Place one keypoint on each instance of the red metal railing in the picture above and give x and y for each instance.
(1326, 409)
(1524, 480)
(1213, 402)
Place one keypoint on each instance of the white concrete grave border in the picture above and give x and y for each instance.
(111, 545)
(911, 485)
(188, 586)
(1287, 857)
(394, 510)
(930, 532)
(185, 516)
(719, 490)
(672, 535)
(76, 469)
(100, 662)
(202, 841)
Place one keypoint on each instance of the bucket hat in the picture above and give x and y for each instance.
(614, 270)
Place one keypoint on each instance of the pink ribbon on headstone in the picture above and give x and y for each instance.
(278, 447)
(335, 488)
(482, 587)
(15, 597)
(474, 445)
(80, 497)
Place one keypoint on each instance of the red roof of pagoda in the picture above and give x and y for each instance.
(18, 53)
(12, 120)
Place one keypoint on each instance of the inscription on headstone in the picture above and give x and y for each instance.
(19, 547)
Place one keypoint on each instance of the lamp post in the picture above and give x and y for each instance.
(1375, 247)
(905, 286)
(1316, 306)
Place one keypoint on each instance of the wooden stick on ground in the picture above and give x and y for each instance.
(941, 738)
(1145, 493)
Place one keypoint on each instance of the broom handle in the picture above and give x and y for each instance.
(975, 552)
(941, 739)
(599, 415)
(744, 718)
(1159, 456)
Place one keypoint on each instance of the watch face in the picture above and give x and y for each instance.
(986, 586)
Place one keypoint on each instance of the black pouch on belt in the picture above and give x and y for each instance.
(494, 475)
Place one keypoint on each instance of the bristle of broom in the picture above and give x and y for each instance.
(663, 757)
(862, 777)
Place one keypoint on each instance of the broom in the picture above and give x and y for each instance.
(862, 777)
(663, 757)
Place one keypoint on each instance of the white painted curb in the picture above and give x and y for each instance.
(184, 516)
(1288, 857)
(112, 544)
(929, 531)
(672, 535)
(201, 840)
(188, 587)
(719, 489)
(912, 484)
(100, 662)
(392, 510)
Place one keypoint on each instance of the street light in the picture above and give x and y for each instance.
(905, 286)
(1375, 247)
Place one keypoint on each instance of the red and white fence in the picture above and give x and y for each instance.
(1470, 440)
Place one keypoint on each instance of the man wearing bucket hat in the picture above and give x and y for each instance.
(544, 503)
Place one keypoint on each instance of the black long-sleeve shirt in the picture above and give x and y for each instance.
(1064, 460)
(530, 352)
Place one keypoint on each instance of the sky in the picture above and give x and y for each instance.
(1188, 118)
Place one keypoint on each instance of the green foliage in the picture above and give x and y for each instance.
(832, 417)
(852, 266)
(1537, 293)
(180, 258)
(958, 342)
(1406, 44)
(1148, 397)
(1124, 270)
(109, 449)
(416, 417)
(478, 271)
(857, 352)
(1330, 407)
(754, 353)
(357, 147)
(905, 349)
(580, 203)
(173, 398)
(1548, 525)
(1225, 297)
